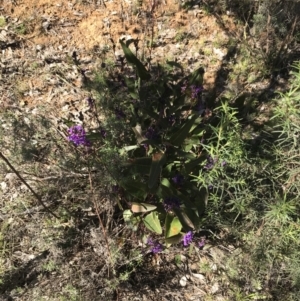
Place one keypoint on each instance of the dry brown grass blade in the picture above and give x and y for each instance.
(27, 185)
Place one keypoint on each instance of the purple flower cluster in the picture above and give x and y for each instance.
(195, 91)
(156, 247)
(115, 188)
(184, 86)
(151, 133)
(201, 243)
(119, 113)
(187, 238)
(171, 203)
(77, 135)
(103, 132)
(178, 179)
(90, 101)
(210, 162)
(172, 119)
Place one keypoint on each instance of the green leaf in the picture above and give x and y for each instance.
(142, 207)
(133, 60)
(126, 149)
(164, 191)
(166, 182)
(134, 188)
(158, 160)
(140, 165)
(138, 133)
(175, 64)
(131, 220)
(196, 78)
(198, 132)
(130, 83)
(186, 155)
(188, 147)
(173, 225)
(151, 113)
(180, 136)
(201, 200)
(191, 214)
(174, 239)
(127, 214)
(194, 163)
(152, 222)
(184, 219)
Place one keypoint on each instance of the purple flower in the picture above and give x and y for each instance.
(183, 88)
(171, 203)
(151, 133)
(90, 101)
(196, 90)
(187, 238)
(178, 179)
(146, 147)
(172, 119)
(77, 135)
(223, 163)
(210, 162)
(115, 188)
(103, 133)
(156, 247)
(119, 113)
(201, 243)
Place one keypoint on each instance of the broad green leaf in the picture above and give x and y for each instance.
(188, 147)
(142, 207)
(184, 219)
(152, 222)
(196, 78)
(193, 140)
(130, 83)
(132, 59)
(158, 160)
(138, 133)
(127, 214)
(173, 225)
(134, 188)
(140, 165)
(168, 187)
(180, 136)
(194, 163)
(198, 132)
(175, 64)
(164, 191)
(131, 220)
(151, 113)
(128, 148)
(201, 200)
(174, 239)
(192, 215)
(165, 182)
(182, 154)
(169, 167)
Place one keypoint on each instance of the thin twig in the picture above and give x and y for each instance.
(27, 185)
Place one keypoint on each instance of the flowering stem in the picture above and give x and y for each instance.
(27, 185)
